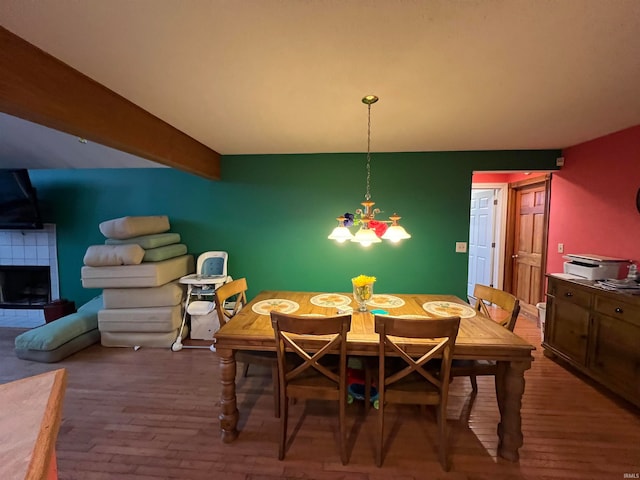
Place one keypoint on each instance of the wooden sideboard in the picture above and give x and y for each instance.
(597, 331)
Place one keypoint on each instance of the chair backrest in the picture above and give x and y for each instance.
(212, 263)
(502, 299)
(443, 332)
(236, 288)
(331, 335)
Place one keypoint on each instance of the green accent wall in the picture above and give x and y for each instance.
(273, 214)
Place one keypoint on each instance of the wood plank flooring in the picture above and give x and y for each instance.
(152, 414)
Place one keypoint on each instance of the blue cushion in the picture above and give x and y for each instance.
(54, 334)
(212, 266)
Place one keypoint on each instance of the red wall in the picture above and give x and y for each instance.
(502, 177)
(593, 199)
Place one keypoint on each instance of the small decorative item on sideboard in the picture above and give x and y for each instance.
(633, 272)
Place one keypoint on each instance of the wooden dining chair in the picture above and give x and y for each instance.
(415, 382)
(318, 376)
(236, 290)
(485, 295)
(508, 304)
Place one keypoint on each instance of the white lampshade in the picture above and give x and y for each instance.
(365, 237)
(395, 233)
(340, 234)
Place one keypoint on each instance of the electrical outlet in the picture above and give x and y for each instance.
(461, 247)
(561, 248)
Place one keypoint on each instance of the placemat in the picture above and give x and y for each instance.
(330, 300)
(449, 309)
(385, 301)
(265, 307)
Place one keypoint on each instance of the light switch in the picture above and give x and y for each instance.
(461, 247)
(561, 248)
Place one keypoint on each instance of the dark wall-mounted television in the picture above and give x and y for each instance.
(18, 201)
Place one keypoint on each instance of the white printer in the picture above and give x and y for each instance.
(593, 267)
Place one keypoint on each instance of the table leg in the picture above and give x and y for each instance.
(229, 410)
(509, 390)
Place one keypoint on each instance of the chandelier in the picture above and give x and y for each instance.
(371, 230)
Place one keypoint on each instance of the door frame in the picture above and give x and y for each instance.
(500, 228)
(511, 230)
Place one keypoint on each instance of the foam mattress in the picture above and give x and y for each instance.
(57, 340)
(63, 351)
(166, 295)
(151, 319)
(150, 274)
(142, 339)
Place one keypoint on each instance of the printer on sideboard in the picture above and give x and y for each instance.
(593, 267)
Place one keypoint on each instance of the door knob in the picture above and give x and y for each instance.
(514, 256)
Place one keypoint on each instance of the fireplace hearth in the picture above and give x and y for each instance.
(25, 286)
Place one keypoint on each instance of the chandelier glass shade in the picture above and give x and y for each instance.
(370, 230)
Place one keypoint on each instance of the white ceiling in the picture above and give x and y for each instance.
(287, 76)
(28, 145)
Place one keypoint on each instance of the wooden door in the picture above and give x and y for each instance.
(615, 353)
(568, 329)
(528, 254)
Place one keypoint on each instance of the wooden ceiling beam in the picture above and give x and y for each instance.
(40, 88)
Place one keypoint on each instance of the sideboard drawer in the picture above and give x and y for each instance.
(617, 309)
(573, 294)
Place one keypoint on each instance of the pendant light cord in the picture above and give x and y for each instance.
(368, 195)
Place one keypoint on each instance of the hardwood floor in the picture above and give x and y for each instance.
(152, 413)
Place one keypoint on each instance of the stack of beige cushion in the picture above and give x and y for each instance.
(138, 269)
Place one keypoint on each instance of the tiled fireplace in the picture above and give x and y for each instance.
(28, 275)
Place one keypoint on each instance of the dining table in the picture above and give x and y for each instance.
(479, 338)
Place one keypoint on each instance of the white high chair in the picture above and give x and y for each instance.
(211, 273)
